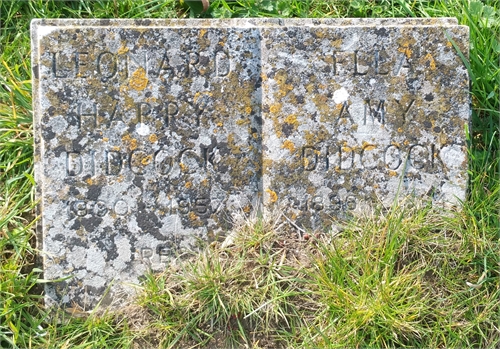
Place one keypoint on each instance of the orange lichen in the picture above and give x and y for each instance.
(289, 145)
(275, 108)
(153, 138)
(432, 64)
(138, 81)
(368, 146)
(123, 49)
(147, 160)
(273, 196)
(292, 120)
(406, 49)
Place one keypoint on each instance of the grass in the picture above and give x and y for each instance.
(412, 277)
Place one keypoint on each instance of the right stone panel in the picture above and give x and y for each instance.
(360, 115)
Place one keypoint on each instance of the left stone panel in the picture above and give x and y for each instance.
(147, 142)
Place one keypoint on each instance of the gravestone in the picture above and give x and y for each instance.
(153, 136)
(362, 114)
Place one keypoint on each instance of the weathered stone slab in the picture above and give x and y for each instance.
(148, 142)
(361, 115)
(152, 136)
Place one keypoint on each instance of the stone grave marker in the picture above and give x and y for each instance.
(152, 136)
(361, 114)
(148, 141)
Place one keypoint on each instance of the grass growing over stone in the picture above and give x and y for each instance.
(410, 276)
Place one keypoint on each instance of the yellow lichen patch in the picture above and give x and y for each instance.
(231, 142)
(153, 138)
(138, 81)
(202, 32)
(443, 139)
(240, 122)
(247, 209)
(275, 108)
(368, 146)
(105, 139)
(147, 160)
(192, 216)
(292, 120)
(306, 162)
(310, 88)
(393, 173)
(400, 130)
(248, 110)
(347, 149)
(130, 142)
(406, 142)
(116, 148)
(204, 182)
(123, 49)
(273, 197)
(220, 124)
(188, 184)
(449, 44)
(406, 49)
(133, 144)
(200, 94)
(395, 144)
(183, 167)
(320, 33)
(428, 58)
(289, 145)
(89, 181)
(336, 43)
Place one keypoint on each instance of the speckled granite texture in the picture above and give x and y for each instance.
(152, 136)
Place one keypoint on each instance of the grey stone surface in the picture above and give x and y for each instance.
(148, 142)
(152, 136)
(359, 115)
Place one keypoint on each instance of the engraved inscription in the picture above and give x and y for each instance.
(108, 65)
(138, 161)
(333, 202)
(370, 157)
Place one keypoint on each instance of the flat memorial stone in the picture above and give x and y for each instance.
(153, 136)
(362, 114)
(147, 142)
